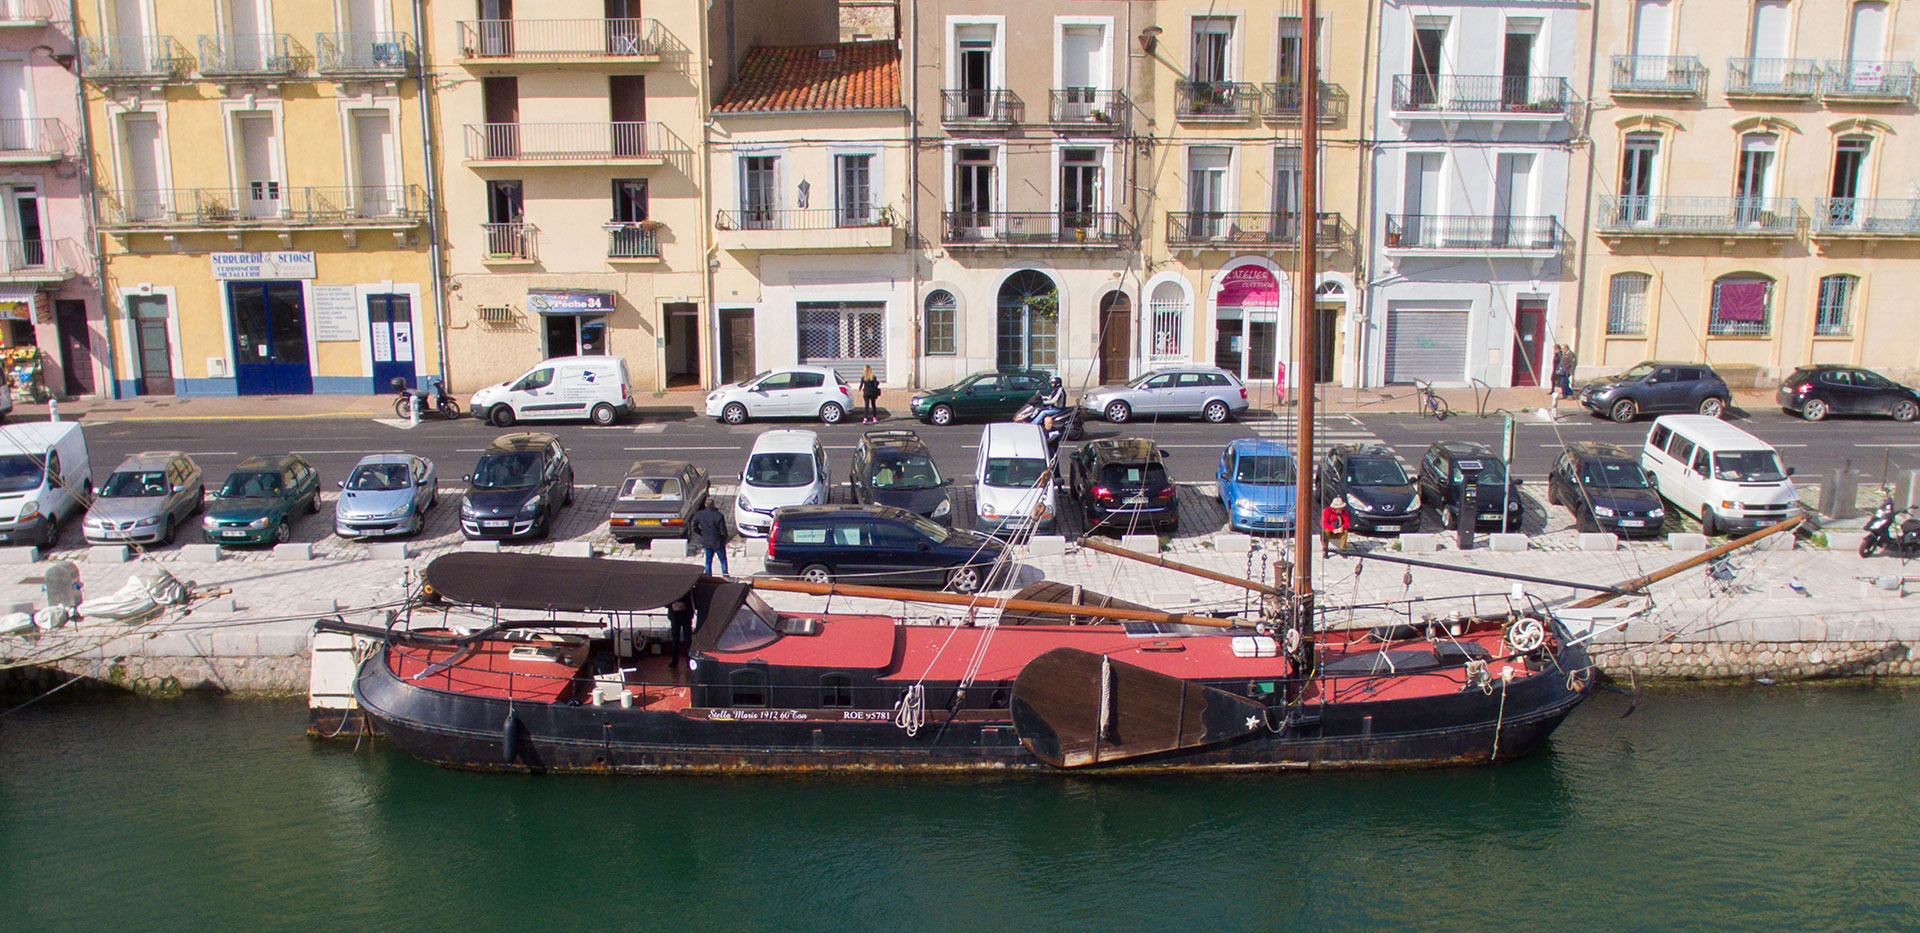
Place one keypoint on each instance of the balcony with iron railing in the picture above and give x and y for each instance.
(1869, 82)
(562, 144)
(1471, 97)
(1890, 218)
(1004, 229)
(510, 242)
(1773, 78)
(1088, 109)
(968, 108)
(633, 242)
(1284, 99)
(1699, 216)
(850, 226)
(1215, 101)
(34, 139)
(133, 59)
(16, 14)
(250, 55)
(365, 54)
(1451, 234)
(1658, 76)
(562, 41)
(1239, 229)
(267, 205)
(41, 261)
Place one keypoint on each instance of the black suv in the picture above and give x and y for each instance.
(1814, 392)
(1379, 494)
(876, 544)
(1439, 484)
(1658, 388)
(895, 468)
(1122, 484)
(515, 489)
(1605, 489)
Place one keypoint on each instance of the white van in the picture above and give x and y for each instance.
(44, 480)
(1708, 468)
(785, 468)
(1013, 480)
(592, 387)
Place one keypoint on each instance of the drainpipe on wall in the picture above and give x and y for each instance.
(710, 254)
(1586, 203)
(910, 52)
(423, 93)
(1366, 174)
(83, 156)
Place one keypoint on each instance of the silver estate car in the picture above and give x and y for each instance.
(1185, 391)
(386, 494)
(145, 500)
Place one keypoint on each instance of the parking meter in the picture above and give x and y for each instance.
(1467, 508)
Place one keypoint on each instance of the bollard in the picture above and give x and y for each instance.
(413, 411)
(53, 408)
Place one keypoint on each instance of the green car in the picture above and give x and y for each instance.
(260, 499)
(981, 395)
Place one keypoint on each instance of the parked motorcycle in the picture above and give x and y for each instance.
(430, 399)
(1057, 421)
(1895, 530)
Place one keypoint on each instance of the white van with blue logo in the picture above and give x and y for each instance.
(591, 387)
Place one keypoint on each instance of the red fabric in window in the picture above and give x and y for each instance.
(1743, 301)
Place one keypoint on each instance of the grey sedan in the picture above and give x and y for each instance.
(1204, 391)
(386, 494)
(145, 499)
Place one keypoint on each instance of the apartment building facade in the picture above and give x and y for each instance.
(259, 177)
(1471, 268)
(49, 290)
(574, 177)
(1758, 204)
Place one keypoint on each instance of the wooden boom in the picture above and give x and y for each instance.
(1640, 583)
(1158, 561)
(1018, 605)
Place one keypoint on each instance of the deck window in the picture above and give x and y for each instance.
(748, 687)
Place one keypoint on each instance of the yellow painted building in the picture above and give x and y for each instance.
(261, 189)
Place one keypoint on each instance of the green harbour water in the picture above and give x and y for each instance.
(1710, 808)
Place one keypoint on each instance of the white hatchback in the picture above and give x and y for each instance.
(785, 468)
(789, 392)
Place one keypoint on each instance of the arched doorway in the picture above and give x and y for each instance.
(1116, 325)
(1329, 305)
(1027, 332)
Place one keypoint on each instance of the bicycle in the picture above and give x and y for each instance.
(1431, 404)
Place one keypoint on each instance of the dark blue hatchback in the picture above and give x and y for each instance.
(879, 545)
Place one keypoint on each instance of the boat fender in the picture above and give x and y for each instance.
(509, 739)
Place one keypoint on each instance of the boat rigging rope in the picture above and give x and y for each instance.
(911, 712)
(1506, 677)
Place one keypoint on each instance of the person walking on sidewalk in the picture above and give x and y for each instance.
(1563, 363)
(1334, 522)
(710, 530)
(870, 391)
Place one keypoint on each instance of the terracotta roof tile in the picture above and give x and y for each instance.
(843, 76)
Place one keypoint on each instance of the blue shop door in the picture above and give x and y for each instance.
(270, 338)
(390, 331)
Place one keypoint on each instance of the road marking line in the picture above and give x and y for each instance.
(685, 447)
(213, 453)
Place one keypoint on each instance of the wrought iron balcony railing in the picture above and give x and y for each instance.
(1284, 99)
(633, 240)
(1089, 108)
(570, 142)
(813, 218)
(1205, 101)
(511, 241)
(32, 12)
(1888, 217)
(1473, 233)
(980, 108)
(1248, 228)
(39, 259)
(249, 55)
(1495, 95)
(262, 204)
(559, 39)
(1869, 81)
(33, 138)
(365, 53)
(1700, 216)
(133, 59)
(1658, 76)
(1773, 77)
(1035, 228)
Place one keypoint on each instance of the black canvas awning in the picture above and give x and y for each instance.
(559, 584)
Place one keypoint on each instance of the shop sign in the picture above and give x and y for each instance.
(333, 314)
(1249, 285)
(569, 302)
(279, 265)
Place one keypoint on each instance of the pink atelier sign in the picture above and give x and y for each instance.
(1250, 286)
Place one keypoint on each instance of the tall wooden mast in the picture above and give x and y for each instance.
(1304, 514)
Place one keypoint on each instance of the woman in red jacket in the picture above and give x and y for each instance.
(1334, 523)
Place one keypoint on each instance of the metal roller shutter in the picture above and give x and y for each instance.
(1426, 344)
(846, 335)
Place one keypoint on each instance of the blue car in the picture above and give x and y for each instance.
(1256, 479)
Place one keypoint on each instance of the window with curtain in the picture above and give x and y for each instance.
(1627, 303)
(1742, 306)
(1833, 315)
(941, 308)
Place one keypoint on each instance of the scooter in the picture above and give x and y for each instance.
(430, 399)
(1895, 530)
(1068, 422)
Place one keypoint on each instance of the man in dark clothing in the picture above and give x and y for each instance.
(1563, 365)
(710, 532)
(680, 622)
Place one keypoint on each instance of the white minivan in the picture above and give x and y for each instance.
(1013, 480)
(593, 387)
(44, 480)
(785, 468)
(1729, 479)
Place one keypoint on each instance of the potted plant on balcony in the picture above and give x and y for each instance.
(1101, 116)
